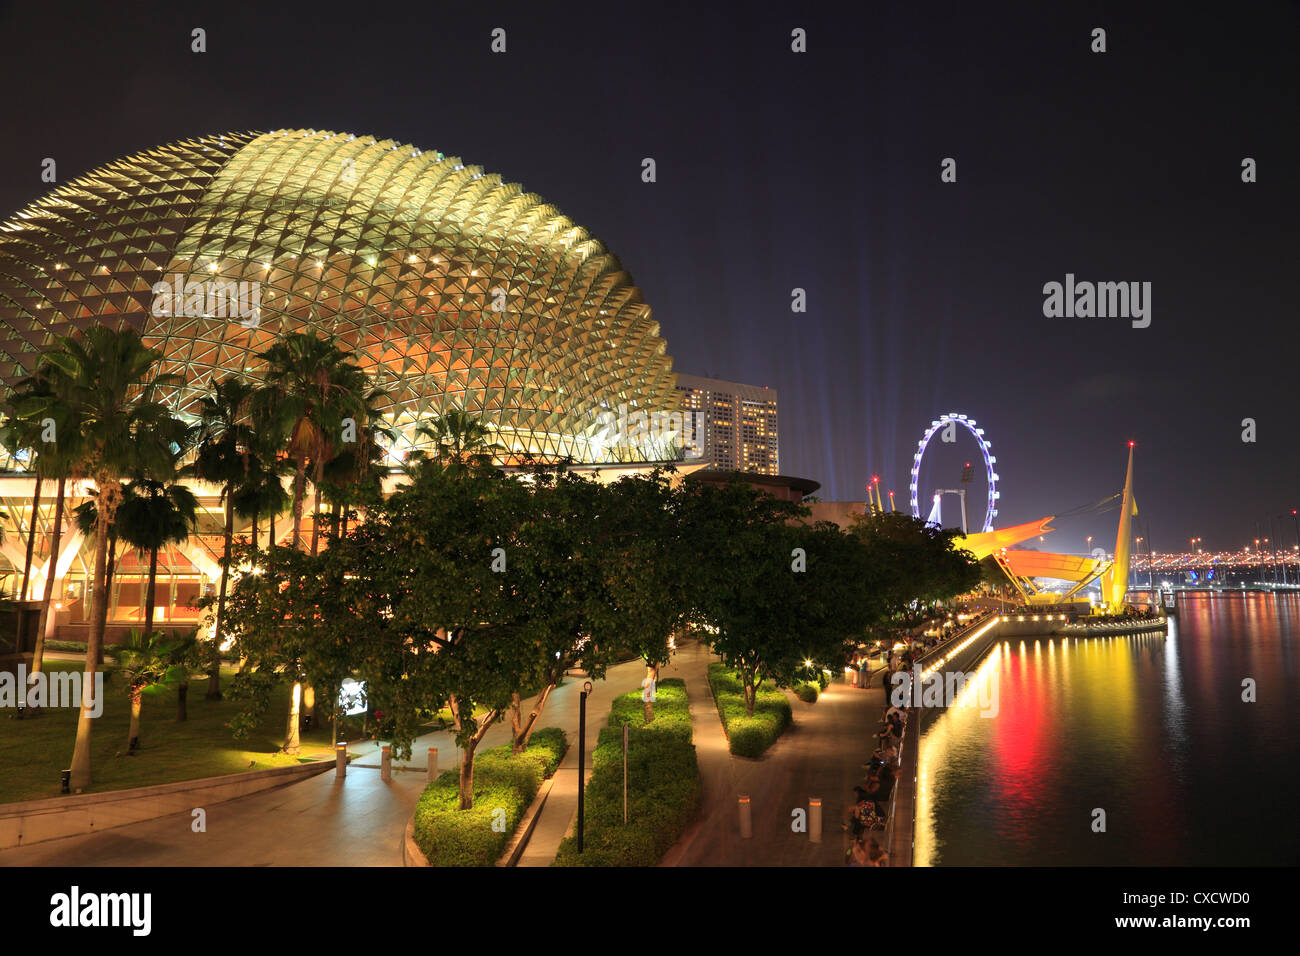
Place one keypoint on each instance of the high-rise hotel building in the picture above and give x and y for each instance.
(734, 425)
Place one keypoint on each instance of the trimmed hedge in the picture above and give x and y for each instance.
(79, 647)
(748, 736)
(452, 837)
(808, 693)
(663, 783)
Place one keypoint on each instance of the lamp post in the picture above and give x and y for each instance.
(582, 754)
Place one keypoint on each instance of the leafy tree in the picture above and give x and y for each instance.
(916, 564)
(452, 629)
(109, 380)
(773, 593)
(289, 617)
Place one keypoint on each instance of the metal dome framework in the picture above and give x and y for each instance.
(453, 288)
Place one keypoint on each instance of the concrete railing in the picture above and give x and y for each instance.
(34, 821)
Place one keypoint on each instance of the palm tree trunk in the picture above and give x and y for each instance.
(150, 594)
(315, 514)
(255, 543)
(299, 492)
(81, 776)
(270, 537)
(27, 567)
(214, 674)
(31, 542)
(133, 735)
(56, 539)
(110, 568)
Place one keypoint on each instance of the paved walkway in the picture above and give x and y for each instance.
(319, 822)
(821, 755)
(360, 821)
(323, 822)
(559, 814)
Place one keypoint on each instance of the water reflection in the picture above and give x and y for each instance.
(1150, 728)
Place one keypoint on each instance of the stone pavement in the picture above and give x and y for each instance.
(820, 755)
(360, 821)
(320, 822)
(559, 814)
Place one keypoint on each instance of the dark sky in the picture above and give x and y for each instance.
(822, 171)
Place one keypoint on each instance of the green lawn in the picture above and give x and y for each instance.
(34, 751)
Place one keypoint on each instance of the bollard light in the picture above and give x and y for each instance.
(67, 781)
(815, 819)
(386, 762)
(746, 820)
(433, 763)
(340, 760)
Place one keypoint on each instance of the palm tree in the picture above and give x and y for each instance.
(109, 380)
(313, 391)
(225, 441)
(21, 433)
(41, 420)
(261, 493)
(354, 476)
(460, 440)
(86, 517)
(152, 515)
(317, 400)
(147, 660)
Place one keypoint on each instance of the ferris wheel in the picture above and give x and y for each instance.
(948, 424)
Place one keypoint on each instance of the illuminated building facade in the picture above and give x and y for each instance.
(735, 426)
(453, 288)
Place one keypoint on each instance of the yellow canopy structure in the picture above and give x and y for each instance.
(983, 543)
(1044, 564)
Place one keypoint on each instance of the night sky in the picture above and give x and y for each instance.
(821, 171)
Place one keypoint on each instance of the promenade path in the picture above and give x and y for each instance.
(323, 822)
(821, 755)
(360, 821)
(559, 814)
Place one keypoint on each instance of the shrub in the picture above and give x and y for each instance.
(807, 693)
(502, 781)
(663, 783)
(748, 736)
(79, 647)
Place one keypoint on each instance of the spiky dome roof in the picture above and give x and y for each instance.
(453, 288)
